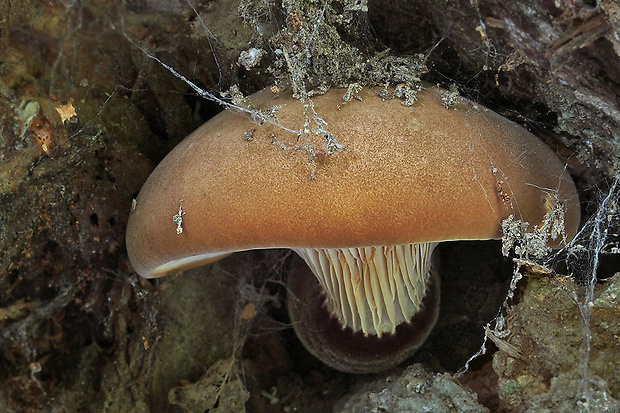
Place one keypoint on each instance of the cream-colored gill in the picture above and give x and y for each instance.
(372, 289)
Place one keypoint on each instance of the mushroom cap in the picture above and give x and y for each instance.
(424, 173)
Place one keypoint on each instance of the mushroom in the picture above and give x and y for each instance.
(365, 218)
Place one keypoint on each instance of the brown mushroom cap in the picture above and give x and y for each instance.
(408, 174)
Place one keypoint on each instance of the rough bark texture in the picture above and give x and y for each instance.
(85, 114)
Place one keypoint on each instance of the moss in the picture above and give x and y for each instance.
(548, 328)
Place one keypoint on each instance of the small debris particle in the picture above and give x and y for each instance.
(450, 97)
(220, 389)
(43, 133)
(35, 367)
(178, 219)
(353, 91)
(248, 312)
(503, 345)
(251, 57)
(237, 98)
(358, 6)
(515, 59)
(273, 400)
(532, 269)
(67, 113)
(406, 93)
(249, 135)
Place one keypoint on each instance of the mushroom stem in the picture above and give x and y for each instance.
(343, 349)
(372, 289)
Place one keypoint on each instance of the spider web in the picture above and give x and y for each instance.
(599, 236)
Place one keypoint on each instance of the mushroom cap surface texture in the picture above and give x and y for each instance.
(416, 174)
